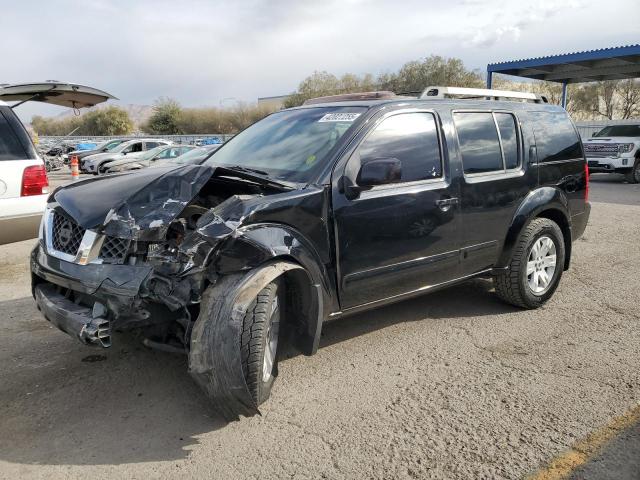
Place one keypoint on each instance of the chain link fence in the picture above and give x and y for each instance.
(179, 139)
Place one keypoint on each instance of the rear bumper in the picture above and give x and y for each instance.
(579, 222)
(76, 320)
(20, 217)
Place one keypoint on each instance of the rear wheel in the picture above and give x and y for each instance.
(259, 341)
(536, 266)
(633, 175)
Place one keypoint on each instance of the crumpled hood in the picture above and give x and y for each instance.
(138, 205)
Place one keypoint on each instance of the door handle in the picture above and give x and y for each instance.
(445, 204)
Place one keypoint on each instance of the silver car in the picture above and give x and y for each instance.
(96, 164)
(163, 152)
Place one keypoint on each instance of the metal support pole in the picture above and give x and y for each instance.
(564, 94)
(489, 79)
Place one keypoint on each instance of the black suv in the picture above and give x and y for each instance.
(310, 214)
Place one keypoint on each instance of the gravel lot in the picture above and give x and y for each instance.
(455, 385)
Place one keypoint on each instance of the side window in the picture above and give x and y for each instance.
(136, 147)
(556, 139)
(10, 146)
(509, 137)
(479, 143)
(150, 145)
(411, 138)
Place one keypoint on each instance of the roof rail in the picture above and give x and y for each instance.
(480, 93)
(344, 97)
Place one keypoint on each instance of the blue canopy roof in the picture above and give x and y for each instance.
(614, 63)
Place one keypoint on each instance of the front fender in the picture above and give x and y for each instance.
(214, 358)
(538, 201)
(253, 246)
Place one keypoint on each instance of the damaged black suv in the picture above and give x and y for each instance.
(310, 214)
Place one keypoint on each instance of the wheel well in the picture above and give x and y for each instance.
(558, 217)
(302, 310)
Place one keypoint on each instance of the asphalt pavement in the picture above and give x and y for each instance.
(454, 385)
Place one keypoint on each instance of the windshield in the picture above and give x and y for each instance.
(192, 157)
(619, 131)
(290, 145)
(149, 154)
(110, 145)
(121, 147)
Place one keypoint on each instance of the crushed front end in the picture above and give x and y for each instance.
(125, 253)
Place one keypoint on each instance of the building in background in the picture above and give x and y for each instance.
(275, 103)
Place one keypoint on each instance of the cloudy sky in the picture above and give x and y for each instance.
(207, 52)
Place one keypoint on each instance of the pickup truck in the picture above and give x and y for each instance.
(615, 149)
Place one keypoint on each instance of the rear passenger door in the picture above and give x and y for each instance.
(496, 178)
(399, 237)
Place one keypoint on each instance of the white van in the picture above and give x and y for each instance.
(24, 186)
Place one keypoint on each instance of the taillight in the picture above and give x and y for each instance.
(34, 181)
(586, 182)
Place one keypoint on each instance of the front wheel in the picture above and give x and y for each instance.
(633, 175)
(536, 266)
(259, 341)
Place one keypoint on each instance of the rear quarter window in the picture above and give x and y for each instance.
(15, 143)
(556, 138)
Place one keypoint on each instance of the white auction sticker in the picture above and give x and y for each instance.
(339, 117)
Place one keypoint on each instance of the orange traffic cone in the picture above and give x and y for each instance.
(75, 173)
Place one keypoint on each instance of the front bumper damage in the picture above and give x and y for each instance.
(157, 294)
(84, 323)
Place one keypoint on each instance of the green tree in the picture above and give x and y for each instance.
(106, 121)
(165, 117)
(417, 75)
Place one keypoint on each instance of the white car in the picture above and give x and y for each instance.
(24, 186)
(615, 149)
(99, 163)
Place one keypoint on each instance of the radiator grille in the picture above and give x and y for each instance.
(66, 235)
(600, 150)
(114, 250)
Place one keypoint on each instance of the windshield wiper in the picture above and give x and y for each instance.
(252, 175)
(247, 169)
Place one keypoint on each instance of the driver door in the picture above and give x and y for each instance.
(401, 236)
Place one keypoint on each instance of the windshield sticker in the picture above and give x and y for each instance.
(339, 117)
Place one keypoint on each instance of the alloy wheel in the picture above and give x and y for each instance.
(541, 265)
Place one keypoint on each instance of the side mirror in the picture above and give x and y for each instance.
(380, 171)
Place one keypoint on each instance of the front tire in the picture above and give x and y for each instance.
(259, 341)
(536, 266)
(633, 175)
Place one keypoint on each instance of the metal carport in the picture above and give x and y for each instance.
(616, 63)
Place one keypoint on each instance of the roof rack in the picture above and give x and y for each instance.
(344, 97)
(480, 93)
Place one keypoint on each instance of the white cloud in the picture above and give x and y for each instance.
(203, 51)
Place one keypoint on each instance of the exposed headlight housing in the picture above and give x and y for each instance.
(625, 147)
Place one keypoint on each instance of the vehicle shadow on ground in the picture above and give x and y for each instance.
(470, 299)
(62, 403)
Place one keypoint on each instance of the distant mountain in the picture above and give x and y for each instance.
(138, 114)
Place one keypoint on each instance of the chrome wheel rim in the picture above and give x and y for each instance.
(271, 341)
(541, 265)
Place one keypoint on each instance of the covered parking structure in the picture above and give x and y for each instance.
(616, 63)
